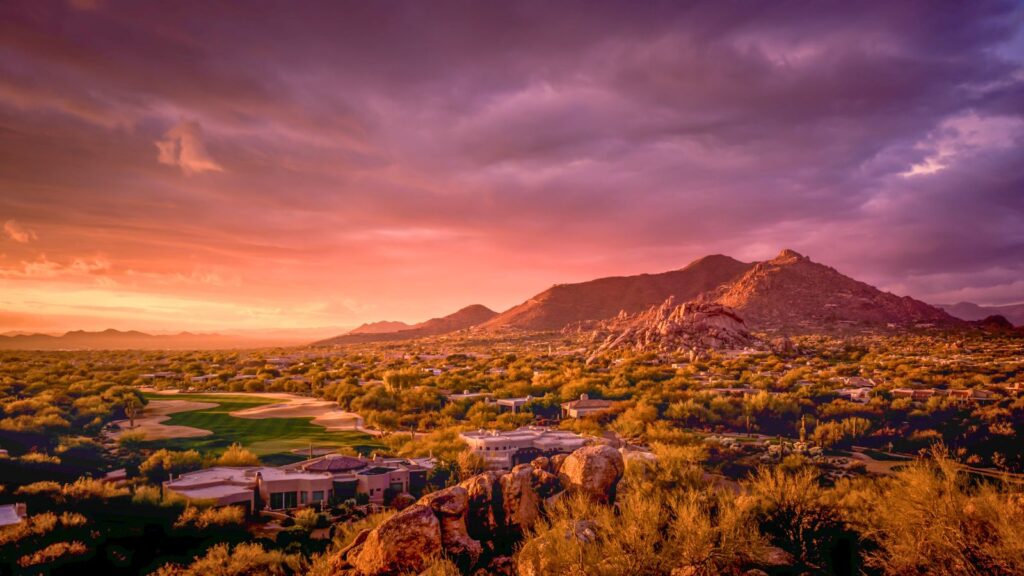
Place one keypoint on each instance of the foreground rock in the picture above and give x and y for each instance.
(402, 543)
(477, 522)
(594, 471)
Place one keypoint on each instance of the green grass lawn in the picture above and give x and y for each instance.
(270, 438)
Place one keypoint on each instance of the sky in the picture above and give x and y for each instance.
(261, 165)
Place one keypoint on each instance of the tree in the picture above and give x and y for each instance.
(163, 463)
(131, 410)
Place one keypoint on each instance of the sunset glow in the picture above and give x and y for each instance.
(249, 166)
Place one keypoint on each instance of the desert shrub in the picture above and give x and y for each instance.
(194, 517)
(307, 519)
(470, 464)
(243, 559)
(793, 512)
(346, 532)
(701, 531)
(235, 455)
(928, 519)
(53, 552)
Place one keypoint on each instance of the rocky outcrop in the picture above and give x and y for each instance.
(403, 543)
(477, 521)
(593, 471)
(694, 327)
(450, 506)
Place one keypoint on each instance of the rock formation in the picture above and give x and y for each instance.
(472, 522)
(691, 327)
(593, 471)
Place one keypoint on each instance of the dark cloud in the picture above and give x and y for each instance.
(552, 141)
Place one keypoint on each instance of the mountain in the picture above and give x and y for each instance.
(569, 304)
(467, 317)
(381, 327)
(970, 311)
(694, 327)
(120, 340)
(792, 293)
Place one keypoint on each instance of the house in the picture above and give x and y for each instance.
(503, 450)
(11, 514)
(858, 382)
(257, 487)
(862, 395)
(467, 395)
(512, 404)
(584, 406)
(376, 477)
(917, 395)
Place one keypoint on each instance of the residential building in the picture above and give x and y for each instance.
(584, 406)
(11, 514)
(377, 477)
(503, 450)
(512, 404)
(862, 395)
(467, 395)
(257, 488)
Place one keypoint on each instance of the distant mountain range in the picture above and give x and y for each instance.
(970, 311)
(381, 327)
(787, 294)
(122, 340)
(467, 317)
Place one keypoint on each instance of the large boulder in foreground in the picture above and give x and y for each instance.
(593, 471)
(406, 542)
(450, 506)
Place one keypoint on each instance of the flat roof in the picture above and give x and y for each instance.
(9, 515)
(217, 492)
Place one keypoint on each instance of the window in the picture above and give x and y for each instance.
(276, 500)
(302, 497)
(318, 496)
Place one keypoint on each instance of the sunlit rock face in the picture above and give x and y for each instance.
(472, 522)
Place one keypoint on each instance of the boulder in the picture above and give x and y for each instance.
(556, 462)
(485, 514)
(450, 506)
(542, 463)
(593, 471)
(406, 542)
(340, 561)
(520, 502)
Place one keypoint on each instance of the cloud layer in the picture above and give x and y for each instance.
(406, 159)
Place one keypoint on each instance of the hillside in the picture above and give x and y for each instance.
(380, 327)
(569, 304)
(467, 317)
(120, 340)
(970, 311)
(790, 293)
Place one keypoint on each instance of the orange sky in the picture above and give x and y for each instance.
(223, 166)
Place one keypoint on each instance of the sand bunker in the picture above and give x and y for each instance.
(156, 412)
(323, 412)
